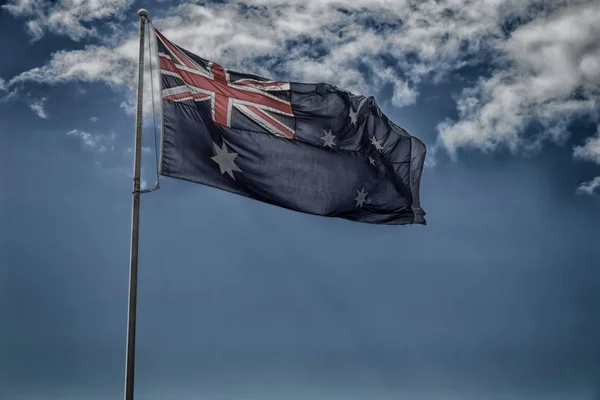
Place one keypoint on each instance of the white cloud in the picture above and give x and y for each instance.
(547, 75)
(11, 95)
(22, 7)
(93, 119)
(362, 47)
(403, 94)
(72, 18)
(8, 96)
(590, 188)
(590, 150)
(114, 66)
(98, 143)
(38, 108)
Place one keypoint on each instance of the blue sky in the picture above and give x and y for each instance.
(495, 298)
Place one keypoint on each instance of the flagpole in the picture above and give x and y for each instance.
(135, 221)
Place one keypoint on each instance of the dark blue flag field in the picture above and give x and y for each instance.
(312, 148)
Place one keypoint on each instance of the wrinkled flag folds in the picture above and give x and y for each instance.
(312, 148)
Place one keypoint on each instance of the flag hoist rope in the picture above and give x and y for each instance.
(156, 149)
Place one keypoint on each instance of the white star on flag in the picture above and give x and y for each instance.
(225, 160)
(361, 198)
(376, 143)
(354, 114)
(328, 139)
(371, 160)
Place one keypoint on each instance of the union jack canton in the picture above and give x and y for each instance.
(201, 80)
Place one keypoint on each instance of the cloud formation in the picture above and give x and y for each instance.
(363, 46)
(98, 143)
(545, 56)
(71, 18)
(590, 188)
(549, 73)
(38, 107)
(114, 66)
(590, 151)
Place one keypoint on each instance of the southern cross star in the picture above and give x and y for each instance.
(371, 160)
(328, 139)
(376, 143)
(225, 160)
(361, 198)
(354, 114)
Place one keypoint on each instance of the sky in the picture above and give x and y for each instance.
(496, 298)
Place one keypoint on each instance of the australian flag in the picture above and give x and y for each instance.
(312, 148)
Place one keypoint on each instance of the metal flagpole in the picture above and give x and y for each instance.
(135, 221)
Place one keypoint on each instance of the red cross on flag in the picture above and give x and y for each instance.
(254, 98)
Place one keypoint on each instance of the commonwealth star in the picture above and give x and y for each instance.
(225, 160)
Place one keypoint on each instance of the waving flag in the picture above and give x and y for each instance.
(312, 148)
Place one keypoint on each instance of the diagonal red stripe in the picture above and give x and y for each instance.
(175, 51)
(273, 121)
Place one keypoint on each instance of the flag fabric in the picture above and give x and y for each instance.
(312, 148)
